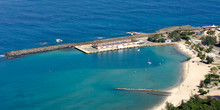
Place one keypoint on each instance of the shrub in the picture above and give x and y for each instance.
(214, 70)
(202, 91)
(189, 58)
(202, 84)
(199, 54)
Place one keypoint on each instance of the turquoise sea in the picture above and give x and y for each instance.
(71, 80)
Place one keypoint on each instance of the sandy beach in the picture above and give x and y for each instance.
(194, 72)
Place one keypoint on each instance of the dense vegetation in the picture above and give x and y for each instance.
(196, 103)
(156, 38)
(210, 32)
(175, 35)
(209, 40)
(178, 35)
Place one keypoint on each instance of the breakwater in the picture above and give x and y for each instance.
(131, 89)
(17, 53)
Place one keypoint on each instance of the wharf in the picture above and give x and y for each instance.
(88, 49)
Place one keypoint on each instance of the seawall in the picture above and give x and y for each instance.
(17, 53)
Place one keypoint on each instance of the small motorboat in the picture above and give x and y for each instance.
(149, 63)
(43, 42)
(139, 50)
(59, 40)
(100, 37)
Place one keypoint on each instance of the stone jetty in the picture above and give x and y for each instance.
(17, 53)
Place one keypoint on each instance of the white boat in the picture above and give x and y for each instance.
(100, 37)
(149, 62)
(2, 55)
(139, 50)
(132, 33)
(59, 40)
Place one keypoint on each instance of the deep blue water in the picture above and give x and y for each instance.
(25, 23)
(69, 79)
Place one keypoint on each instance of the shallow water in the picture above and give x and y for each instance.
(70, 79)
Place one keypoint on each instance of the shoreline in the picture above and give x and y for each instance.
(193, 72)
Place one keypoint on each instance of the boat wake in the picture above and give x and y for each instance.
(134, 33)
(2, 55)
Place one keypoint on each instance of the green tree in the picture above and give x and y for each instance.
(202, 57)
(187, 38)
(199, 54)
(177, 39)
(209, 59)
(201, 48)
(210, 48)
(188, 42)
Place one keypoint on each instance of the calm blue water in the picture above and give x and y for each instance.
(69, 79)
